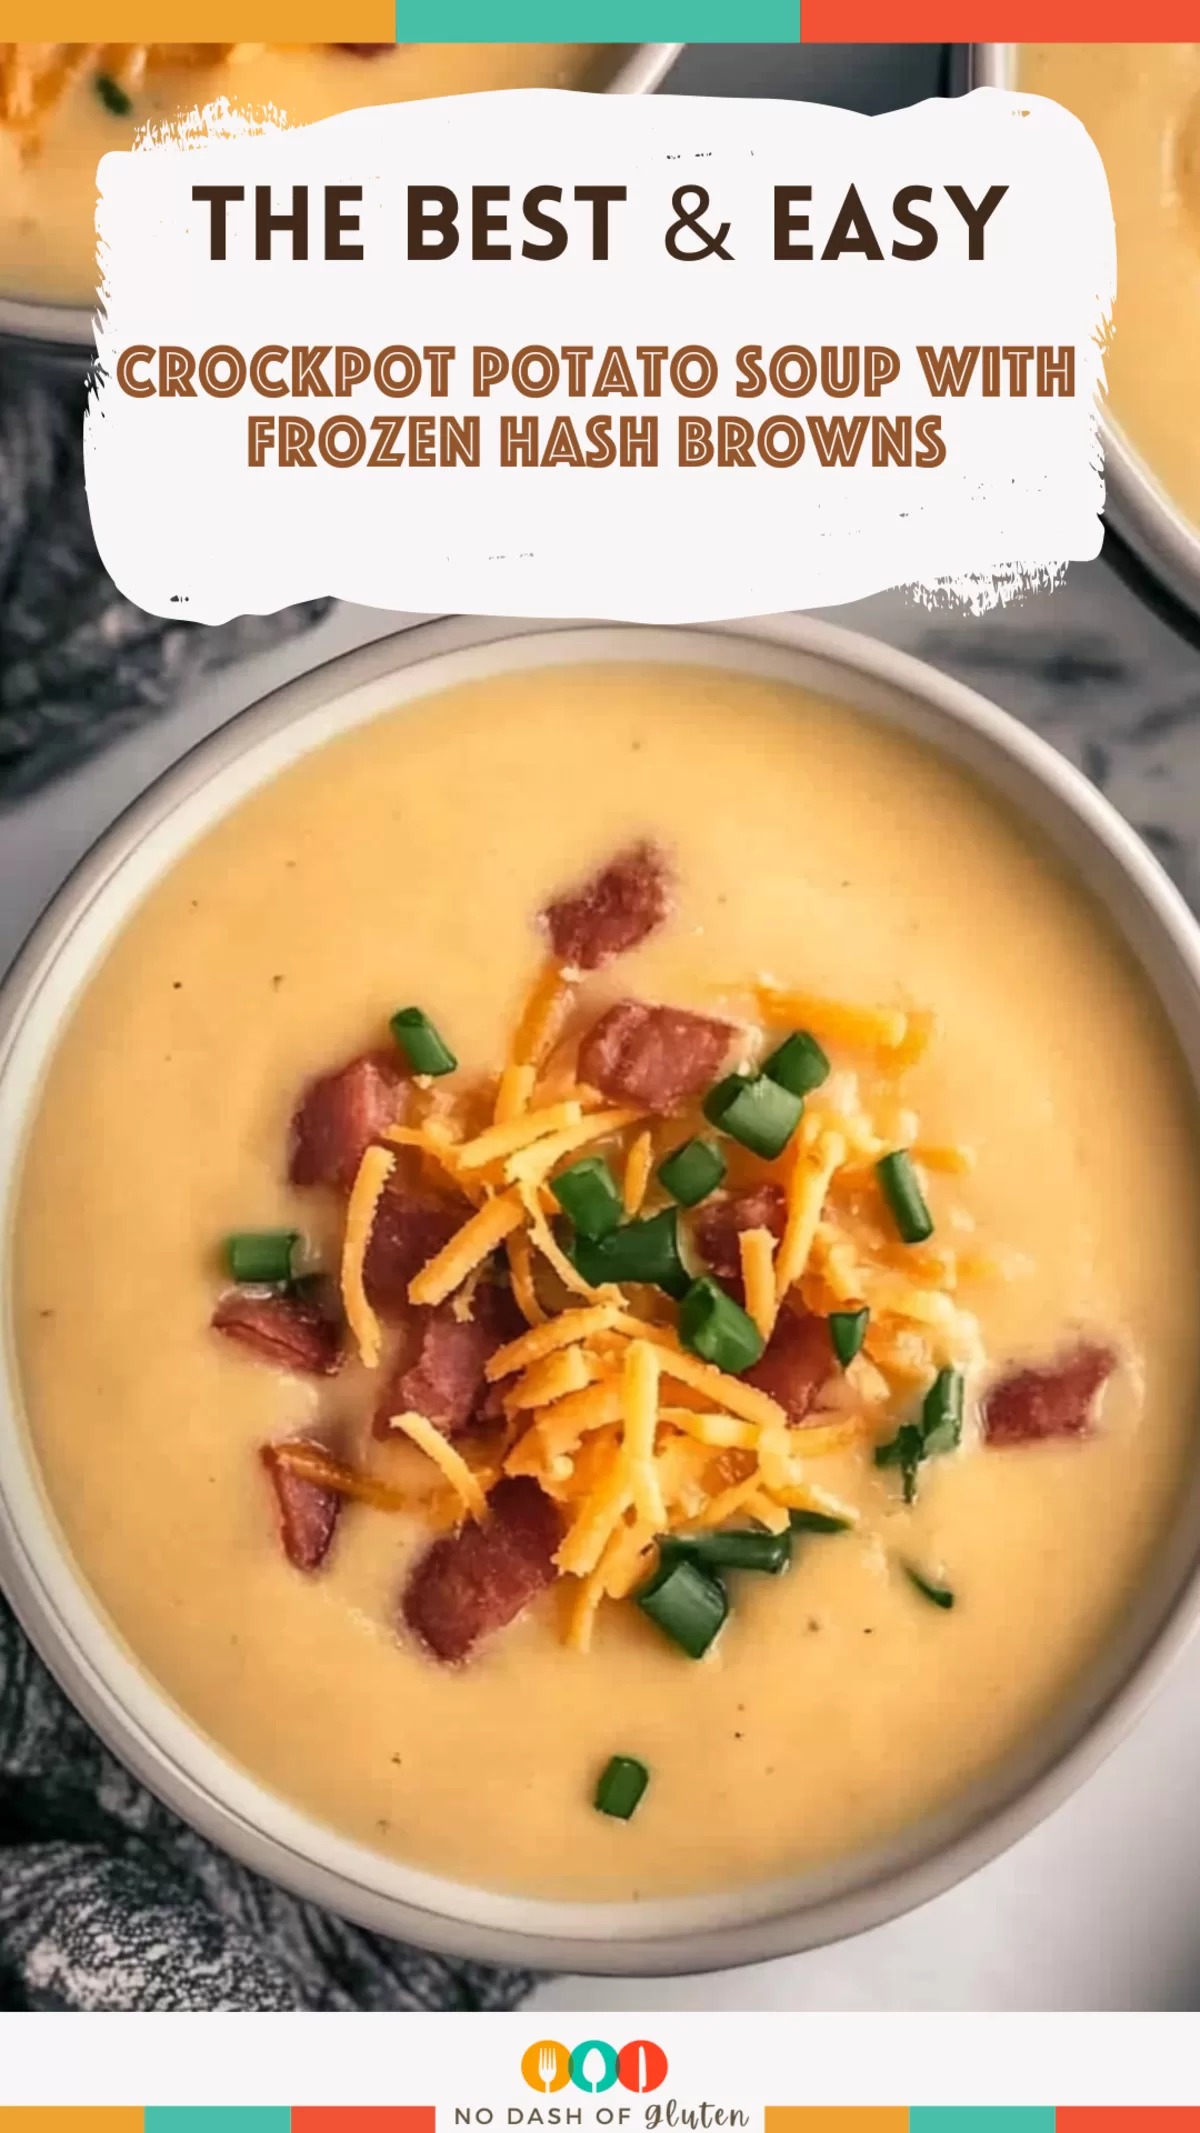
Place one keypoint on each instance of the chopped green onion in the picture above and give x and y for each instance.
(261, 1255)
(798, 1063)
(621, 1786)
(817, 1522)
(589, 1194)
(646, 1251)
(686, 1603)
(847, 1331)
(759, 1113)
(905, 1450)
(740, 1548)
(904, 1196)
(722, 1094)
(113, 96)
(713, 1326)
(937, 1595)
(938, 1430)
(690, 1173)
(418, 1039)
(942, 1412)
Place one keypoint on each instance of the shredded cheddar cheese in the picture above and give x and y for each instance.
(555, 1333)
(532, 1166)
(861, 1028)
(520, 1267)
(807, 1186)
(637, 1171)
(374, 1171)
(479, 1235)
(566, 1370)
(505, 1139)
(513, 1091)
(466, 1485)
(757, 1247)
(542, 1015)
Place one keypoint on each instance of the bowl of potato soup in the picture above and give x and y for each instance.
(1140, 104)
(576, 1194)
(64, 106)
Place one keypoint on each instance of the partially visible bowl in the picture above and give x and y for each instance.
(56, 332)
(63, 1619)
(1139, 509)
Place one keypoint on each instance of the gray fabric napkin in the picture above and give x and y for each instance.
(107, 1901)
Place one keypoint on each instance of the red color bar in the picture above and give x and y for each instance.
(1128, 2118)
(1001, 22)
(365, 2118)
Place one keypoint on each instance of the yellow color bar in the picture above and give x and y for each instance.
(834, 2118)
(202, 21)
(70, 2118)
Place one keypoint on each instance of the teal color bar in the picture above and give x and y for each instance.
(598, 21)
(982, 2118)
(216, 2118)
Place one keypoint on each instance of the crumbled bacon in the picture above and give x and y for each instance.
(408, 1229)
(290, 1331)
(613, 911)
(655, 1057)
(719, 1224)
(340, 1114)
(797, 1361)
(1050, 1400)
(476, 1581)
(308, 1513)
(444, 1379)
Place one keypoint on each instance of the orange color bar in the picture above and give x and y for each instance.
(70, 2118)
(202, 21)
(997, 21)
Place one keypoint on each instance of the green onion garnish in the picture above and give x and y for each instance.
(758, 1112)
(739, 1548)
(713, 1326)
(418, 1039)
(937, 1595)
(690, 1173)
(113, 96)
(847, 1331)
(939, 1429)
(621, 1786)
(798, 1064)
(817, 1522)
(589, 1194)
(687, 1604)
(904, 1196)
(261, 1255)
(942, 1412)
(646, 1251)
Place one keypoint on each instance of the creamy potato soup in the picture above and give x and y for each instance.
(1141, 105)
(52, 139)
(605, 1282)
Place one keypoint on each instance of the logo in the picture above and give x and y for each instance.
(595, 2066)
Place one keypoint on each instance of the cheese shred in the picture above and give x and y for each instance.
(479, 1235)
(374, 1171)
(429, 1439)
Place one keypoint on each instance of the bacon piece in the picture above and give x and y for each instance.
(340, 1114)
(1052, 1400)
(720, 1223)
(308, 1513)
(408, 1229)
(444, 1380)
(653, 1056)
(797, 1361)
(613, 911)
(290, 1331)
(479, 1579)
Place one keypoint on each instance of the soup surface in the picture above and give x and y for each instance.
(1141, 105)
(405, 863)
(48, 189)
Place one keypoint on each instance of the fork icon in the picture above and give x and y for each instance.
(547, 2066)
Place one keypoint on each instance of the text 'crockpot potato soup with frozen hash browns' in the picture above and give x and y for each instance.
(605, 1281)
(63, 106)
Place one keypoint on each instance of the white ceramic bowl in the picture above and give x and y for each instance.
(57, 332)
(156, 1739)
(1138, 508)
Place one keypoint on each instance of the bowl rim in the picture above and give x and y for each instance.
(1138, 507)
(55, 331)
(246, 1819)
